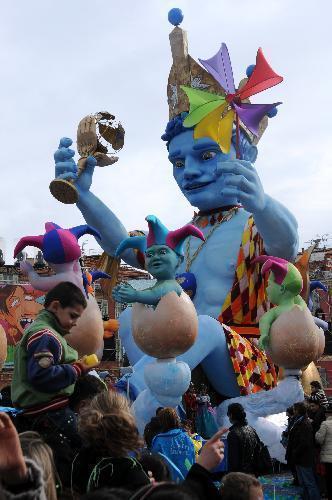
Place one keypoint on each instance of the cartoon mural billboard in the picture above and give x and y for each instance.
(19, 305)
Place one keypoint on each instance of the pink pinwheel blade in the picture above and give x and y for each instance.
(263, 77)
(251, 114)
(219, 66)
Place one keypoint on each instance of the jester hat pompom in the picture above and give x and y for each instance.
(160, 235)
(58, 245)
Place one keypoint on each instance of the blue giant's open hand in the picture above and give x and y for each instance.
(244, 184)
(66, 168)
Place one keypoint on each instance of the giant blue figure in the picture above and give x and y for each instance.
(238, 219)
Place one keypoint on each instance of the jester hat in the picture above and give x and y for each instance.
(283, 271)
(160, 235)
(58, 245)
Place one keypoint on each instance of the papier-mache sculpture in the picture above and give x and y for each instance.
(62, 252)
(211, 141)
(169, 328)
(288, 331)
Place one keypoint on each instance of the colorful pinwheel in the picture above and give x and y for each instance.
(213, 115)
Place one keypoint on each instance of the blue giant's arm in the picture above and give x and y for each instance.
(278, 228)
(94, 211)
(111, 229)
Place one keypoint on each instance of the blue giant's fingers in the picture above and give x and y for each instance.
(65, 167)
(65, 142)
(63, 154)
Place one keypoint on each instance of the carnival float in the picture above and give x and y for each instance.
(212, 295)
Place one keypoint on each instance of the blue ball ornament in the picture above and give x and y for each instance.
(250, 69)
(175, 16)
(272, 113)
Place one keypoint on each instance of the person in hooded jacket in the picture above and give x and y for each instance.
(174, 442)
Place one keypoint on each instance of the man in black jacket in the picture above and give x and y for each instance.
(300, 451)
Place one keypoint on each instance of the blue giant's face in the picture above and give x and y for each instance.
(194, 169)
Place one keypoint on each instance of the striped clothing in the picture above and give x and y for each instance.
(320, 398)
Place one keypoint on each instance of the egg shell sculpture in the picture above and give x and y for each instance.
(87, 336)
(295, 340)
(3, 346)
(167, 331)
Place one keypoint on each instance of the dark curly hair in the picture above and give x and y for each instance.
(236, 412)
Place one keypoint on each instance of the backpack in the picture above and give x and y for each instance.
(262, 458)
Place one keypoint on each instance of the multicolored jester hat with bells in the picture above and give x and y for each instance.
(160, 235)
(214, 114)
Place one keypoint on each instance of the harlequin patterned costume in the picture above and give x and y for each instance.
(246, 302)
(244, 305)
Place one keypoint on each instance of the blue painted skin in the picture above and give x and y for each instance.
(162, 263)
(208, 179)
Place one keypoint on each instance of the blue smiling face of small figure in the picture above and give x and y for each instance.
(162, 262)
(196, 169)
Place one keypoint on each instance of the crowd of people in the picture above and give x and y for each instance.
(74, 436)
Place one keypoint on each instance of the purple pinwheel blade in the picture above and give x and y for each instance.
(220, 67)
(251, 114)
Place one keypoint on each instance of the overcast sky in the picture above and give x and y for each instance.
(63, 59)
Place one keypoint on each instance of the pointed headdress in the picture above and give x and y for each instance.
(159, 235)
(57, 244)
(209, 95)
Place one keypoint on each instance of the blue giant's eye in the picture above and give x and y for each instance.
(208, 155)
(179, 163)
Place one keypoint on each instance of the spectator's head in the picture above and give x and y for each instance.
(34, 447)
(315, 386)
(108, 426)
(67, 302)
(85, 389)
(236, 414)
(168, 419)
(191, 387)
(290, 411)
(240, 486)
(164, 491)
(314, 406)
(300, 409)
(152, 428)
(105, 402)
(187, 426)
(203, 389)
(158, 410)
(154, 465)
